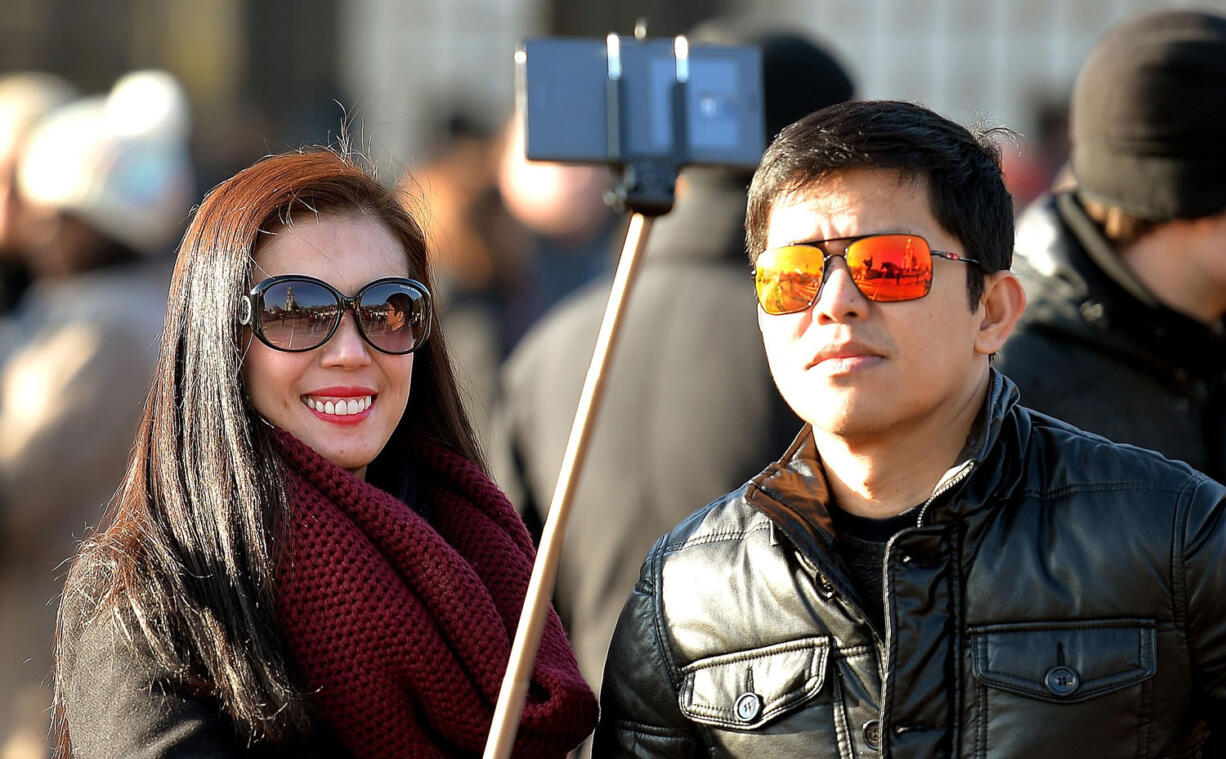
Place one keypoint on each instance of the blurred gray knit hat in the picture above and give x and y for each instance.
(1148, 117)
(119, 162)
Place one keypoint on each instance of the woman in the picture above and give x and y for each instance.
(306, 557)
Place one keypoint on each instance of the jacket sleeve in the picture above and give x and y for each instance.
(117, 704)
(69, 405)
(1203, 556)
(639, 712)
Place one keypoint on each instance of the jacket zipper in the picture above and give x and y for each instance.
(944, 486)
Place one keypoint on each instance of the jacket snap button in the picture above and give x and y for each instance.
(748, 707)
(872, 734)
(1062, 680)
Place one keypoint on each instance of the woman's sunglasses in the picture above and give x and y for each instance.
(298, 313)
(886, 269)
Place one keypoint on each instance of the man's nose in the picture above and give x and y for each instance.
(839, 298)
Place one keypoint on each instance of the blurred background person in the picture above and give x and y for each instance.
(480, 252)
(24, 99)
(1124, 334)
(573, 231)
(1035, 164)
(106, 183)
(688, 388)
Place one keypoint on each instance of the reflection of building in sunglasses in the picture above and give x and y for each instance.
(298, 313)
(885, 268)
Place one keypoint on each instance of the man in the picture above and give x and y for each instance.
(1125, 334)
(689, 368)
(930, 569)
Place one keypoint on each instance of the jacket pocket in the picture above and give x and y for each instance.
(748, 689)
(1080, 680)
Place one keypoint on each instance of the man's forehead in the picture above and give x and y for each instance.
(856, 180)
(851, 202)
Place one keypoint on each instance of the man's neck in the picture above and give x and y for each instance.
(883, 475)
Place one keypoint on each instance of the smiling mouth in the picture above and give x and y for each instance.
(338, 406)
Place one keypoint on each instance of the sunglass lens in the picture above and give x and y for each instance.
(890, 268)
(395, 316)
(298, 315)
(788, 278)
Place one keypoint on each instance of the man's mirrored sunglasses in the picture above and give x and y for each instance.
(886, 269)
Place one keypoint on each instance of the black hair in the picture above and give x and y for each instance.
(960, 168)
(400, 302)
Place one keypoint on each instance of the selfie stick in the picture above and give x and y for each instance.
(544, 571)
(647, 191)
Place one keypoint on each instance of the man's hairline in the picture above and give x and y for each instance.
(792, 187)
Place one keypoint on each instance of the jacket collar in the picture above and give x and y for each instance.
(794, 494)
(1081, 289)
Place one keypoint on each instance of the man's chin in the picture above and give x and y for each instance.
(845, 418)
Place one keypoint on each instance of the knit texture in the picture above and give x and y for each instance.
(401, 629)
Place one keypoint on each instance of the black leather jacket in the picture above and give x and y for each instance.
(1060, 596)
(1097, 349)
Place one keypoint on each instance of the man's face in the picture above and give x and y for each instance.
(862, 370)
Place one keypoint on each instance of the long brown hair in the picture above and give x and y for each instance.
(185, 563)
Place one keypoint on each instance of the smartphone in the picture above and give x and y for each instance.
(623, 101)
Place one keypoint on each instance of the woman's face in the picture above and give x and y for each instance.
(300, 392)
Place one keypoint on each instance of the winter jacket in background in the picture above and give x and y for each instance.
(1096, 348)
(75, 364)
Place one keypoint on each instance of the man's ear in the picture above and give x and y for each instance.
(1000, 307)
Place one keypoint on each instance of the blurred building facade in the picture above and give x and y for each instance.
(265, 75)
(997, 61)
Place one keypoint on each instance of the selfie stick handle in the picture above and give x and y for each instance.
(544, 571)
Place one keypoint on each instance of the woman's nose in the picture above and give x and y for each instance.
(346, 348)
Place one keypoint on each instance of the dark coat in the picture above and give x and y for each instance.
(120, 704)
(1096, 349)
(1060, 596)
(690, 410)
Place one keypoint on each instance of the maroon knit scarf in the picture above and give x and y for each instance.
(401, 629)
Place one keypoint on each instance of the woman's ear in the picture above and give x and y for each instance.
(1000, 307)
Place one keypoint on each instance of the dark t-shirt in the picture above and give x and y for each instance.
(860, 542)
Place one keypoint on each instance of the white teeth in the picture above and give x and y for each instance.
(340, 407)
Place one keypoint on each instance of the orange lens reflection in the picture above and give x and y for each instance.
(788, 278)
(890, 268)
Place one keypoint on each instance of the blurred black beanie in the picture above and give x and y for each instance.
(1149, 117)
(799, 76)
